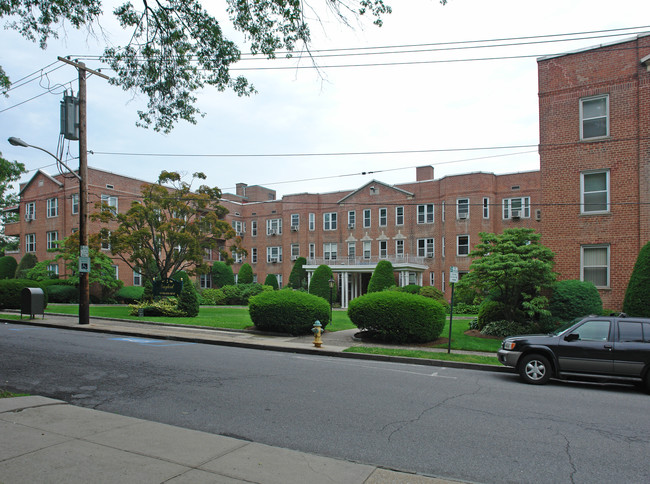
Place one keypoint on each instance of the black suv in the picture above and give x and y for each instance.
(595, 347)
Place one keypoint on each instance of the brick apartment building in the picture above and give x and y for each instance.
(594, 112)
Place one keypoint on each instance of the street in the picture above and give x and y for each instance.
(462, 424)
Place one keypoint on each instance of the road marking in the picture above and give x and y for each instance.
(150, 342)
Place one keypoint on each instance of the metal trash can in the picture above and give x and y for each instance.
(32, 301)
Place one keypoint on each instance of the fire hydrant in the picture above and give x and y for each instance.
(318, 331)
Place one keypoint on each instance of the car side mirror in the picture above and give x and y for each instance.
(572, 337)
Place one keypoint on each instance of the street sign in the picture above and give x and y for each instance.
(83, 251)
(84, 264)
(453, 275)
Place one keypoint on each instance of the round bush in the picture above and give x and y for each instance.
(572, 299)
(245, 275)
(129, 294)
(292, 312)
(8, 267)
(59, 293)
(398, 317)
(11, 289)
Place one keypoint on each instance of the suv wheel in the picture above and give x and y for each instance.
(535, 369)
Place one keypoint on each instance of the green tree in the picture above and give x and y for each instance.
(170, 230)
(222, 274)
(10, 172)
(8, 267)
(176, 47)
(28, 261)
(271, 280)
(512, 268)
(319, 285)
(382, 277)
(188, 300)
(637, 296)
(298, 276)
(245, 275)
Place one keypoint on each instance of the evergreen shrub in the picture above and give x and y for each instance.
(271, 280)
(8, 267)
(382, 277)
(298, 275)
(504, 328)
(637, 294)
(490, 311)
(398, 317)
(292, 312)
(240, 294)
(11, 289)
(572, 299)
(167, 307)
(245, 275)
(222, 275)
(212, 297)
(188, 300)
(64, 294)
(28, 261)
(129, 294)
(319, 284)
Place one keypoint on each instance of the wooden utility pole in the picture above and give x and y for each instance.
(84, 285)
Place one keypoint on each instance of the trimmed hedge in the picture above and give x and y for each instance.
(382, 277)
(319, 284)
(245, 274)
(398, 317)
(637, 295)
(10, 291)
(129, 294)
(61, 293)
(272, 280)
(572, 299)
(292, 312)
(298, 275)
(8, 267)
(212, 297)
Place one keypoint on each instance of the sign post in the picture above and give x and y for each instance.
(453, 279)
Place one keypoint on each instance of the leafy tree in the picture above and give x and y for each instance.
(40, 271)
(319, 284)
(10, 172)
(28, 261)
(298, 276)
(170, 230)
(512, 268)
(637, 296)
(382, 277)
(222, 274)
(176, 47)
(272, 280)
(245, 275)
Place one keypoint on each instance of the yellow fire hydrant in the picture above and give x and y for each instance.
(318, 331)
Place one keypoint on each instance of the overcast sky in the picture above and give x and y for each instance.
(331, 126)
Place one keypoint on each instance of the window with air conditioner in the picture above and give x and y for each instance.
(462, 208)
(30, 211)
(274, 226)
(352, 218)
(425, 247)
(274, 254)
(516, 208)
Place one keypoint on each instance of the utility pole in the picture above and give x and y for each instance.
(84, 285)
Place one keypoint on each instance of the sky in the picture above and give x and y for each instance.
(318, 131)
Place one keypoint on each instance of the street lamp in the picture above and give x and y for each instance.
(84, 285)
(331, 283)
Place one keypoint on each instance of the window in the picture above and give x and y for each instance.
(312, 251)
(238, 257)
(442, 281)
(239, 227)
(432, 279)
(594, 117)
(399, 215)
(352, 250)
(595, 264)
(274, 226)
(442, 209)
(425, 248)
(116, 271)
(52, 237)
(329, 221)
(75, 203)
(274, 254)
(630, 332)
(53, 269)
(111, 201)
(52, 207)
(383, 249)
(295, 251)
(516, 208)
(106, 243)
(425, 213)
(443, 246)
(279, 279)
(254, 255)
(486, 207)
(594, 191)
(462, 245)
(253, 228)
(383, 217)
(30, 211)
(367, 249)
(367, 218)
(352, 218)
(593, 331)
(295, 221)
(312, 221)
(330, 250)
(462, 208)
(30, 243)
(399, 248)
(205, 281)
(137, 278)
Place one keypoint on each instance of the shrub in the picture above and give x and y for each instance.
(298, 276)
(188, 300)
(240, 294)
(129, 294)
(398, 317)
(271, 280)
(411, 289)
(58, 293)
(165, 307)
(245, 275)
(572, 299)
(213, 297)
(490, 311)
(28, 261)
(11, 289)
(8, 267)
(462, 308)
(222, 274)
(637, 296)
(319, 285)
(435, 294)
(503, 329)
(292, 312)
(382, 277)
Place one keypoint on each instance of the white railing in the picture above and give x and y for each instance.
(361, 261)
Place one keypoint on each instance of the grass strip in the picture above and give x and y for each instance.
(429, 355)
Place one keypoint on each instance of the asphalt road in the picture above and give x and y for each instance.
(462, 424)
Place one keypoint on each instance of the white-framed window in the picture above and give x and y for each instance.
(239, 258)
(425, 248)
(352, 218)
(295, 251)
(399, 248)
(111, 201)
(329, 221)
(594, 264)
(279, 279)
(383, 249)
(239, 226)
(205, 281)
(106, 243)
(312, 251)
(383, 217)
(352, 250)
(30, 242)
(52, 207)
(442, 210)
(442, 281)
(137, 278)
(462, 245)
(594, 192)
(274, 226)
(425, 213)
(330, 250)
(432, 279)
(254, 255)
(295, 221)
(399, 215)
(274, 254)
(594, 117)
(486, 207)
(53, 269)
(116, 271)
(52, 237)
(516, 207)
(253, 228)
(367, 218)
(30, 211)
(312, 221)
(443, 246)
(462, 208)
(367, 249)
(75, 203)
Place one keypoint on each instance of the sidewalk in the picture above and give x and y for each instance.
(50, 441)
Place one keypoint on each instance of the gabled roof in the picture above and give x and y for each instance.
(40, 172)
(375, 183)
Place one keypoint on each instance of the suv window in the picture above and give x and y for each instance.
(630, 331)
(592, 331)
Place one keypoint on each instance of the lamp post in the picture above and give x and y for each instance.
(84, 285)
(331, 283)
